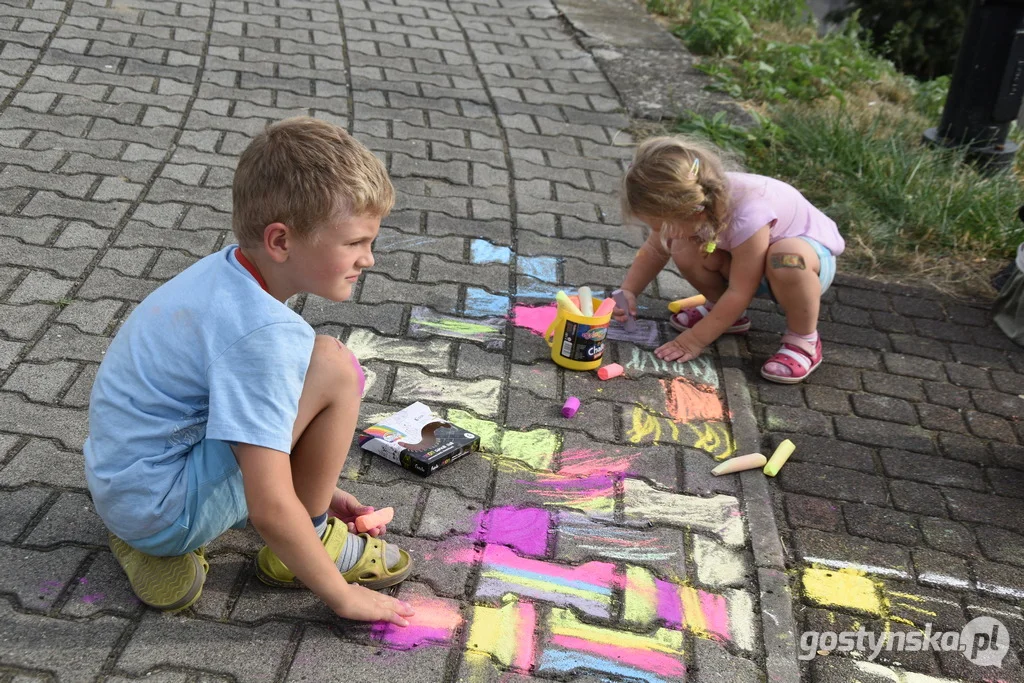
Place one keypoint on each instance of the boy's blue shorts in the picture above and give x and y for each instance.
(214, 503)
(826, 273)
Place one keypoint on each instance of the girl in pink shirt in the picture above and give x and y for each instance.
(732, 235)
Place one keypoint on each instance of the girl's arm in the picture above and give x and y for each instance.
(648, 262)
(745, 273)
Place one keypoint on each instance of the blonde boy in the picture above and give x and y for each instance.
(216, 403)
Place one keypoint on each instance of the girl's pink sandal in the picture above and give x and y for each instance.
(801, 357)
(688, 317)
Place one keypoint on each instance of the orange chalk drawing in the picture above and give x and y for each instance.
(686, 401)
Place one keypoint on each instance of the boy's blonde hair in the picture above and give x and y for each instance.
(676, 178)
(302, 172)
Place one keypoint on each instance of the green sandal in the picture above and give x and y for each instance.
(166, 583)
(370, 571)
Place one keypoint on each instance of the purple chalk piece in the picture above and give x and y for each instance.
(620, 301)
(572, 404)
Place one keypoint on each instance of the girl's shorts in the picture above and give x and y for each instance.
(826, 272)
(214, 502)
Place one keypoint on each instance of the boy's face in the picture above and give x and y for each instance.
(330, 263)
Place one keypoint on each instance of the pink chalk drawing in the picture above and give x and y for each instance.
(588, 587)
(679, 606)
(525, 530)
(537, 319)
(434, 623)
(586, 480)
(48, 587)
(93, 598)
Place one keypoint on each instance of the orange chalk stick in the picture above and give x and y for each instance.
(609, 371)
(688, 302)
(750, 461)
(374, 519)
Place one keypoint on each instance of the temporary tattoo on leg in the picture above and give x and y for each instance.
(788, 261)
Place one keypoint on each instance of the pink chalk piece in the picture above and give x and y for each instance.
(572, 404)
(374, 519)
(605, 308)
(609, 371)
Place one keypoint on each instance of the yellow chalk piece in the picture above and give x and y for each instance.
(751, 461)
(779, 458)
(841, 588)
(688, 302)
(565, 302)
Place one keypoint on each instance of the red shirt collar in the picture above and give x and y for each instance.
(247, 264)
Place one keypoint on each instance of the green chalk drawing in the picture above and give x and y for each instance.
(535, 448)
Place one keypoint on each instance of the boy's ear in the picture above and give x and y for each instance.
(277, 241)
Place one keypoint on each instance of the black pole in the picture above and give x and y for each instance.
(987, 87)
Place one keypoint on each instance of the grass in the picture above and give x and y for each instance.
(844, 127)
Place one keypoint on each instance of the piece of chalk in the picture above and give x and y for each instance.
(374, 519)
(779, 458)
(605, 308)
(572, 404)
(586, 302)
(688, 302)
(565, 302)
(751, 461)
(620, 300)
(609, 371)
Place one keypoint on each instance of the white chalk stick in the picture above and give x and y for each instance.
(739, 463)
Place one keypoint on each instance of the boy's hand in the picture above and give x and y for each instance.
(363, 604)
(683, 348)
(618, 313)
(345, 507)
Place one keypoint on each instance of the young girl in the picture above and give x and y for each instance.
(732, 235)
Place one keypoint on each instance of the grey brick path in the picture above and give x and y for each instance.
(594, 549)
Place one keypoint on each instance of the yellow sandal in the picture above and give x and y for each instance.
(370, 571)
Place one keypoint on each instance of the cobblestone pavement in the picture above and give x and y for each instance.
(596, 549)
(902, 503)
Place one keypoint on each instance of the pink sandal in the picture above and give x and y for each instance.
(688, 317)
(801, 357)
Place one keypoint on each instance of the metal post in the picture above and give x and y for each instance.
(987, 87)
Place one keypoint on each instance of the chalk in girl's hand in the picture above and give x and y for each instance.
(572, 404)
(688, 302)
(620, 300)
(566, 303)
(374, 519)
(751, 461)
(605, 308)
(586, 302)
(609, 371)
(779, 458)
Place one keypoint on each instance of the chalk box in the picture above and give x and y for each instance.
(418, 440)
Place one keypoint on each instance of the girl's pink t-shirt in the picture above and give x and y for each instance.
(758, 201)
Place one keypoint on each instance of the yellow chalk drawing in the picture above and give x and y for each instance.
(641, 596)
(645, 423)
(562, 622)
(536, 447)
(842, 588)
(430, 354)
(504, 633)
(714, 438)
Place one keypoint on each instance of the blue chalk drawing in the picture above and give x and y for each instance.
(541, 267)
(482, 251)
(481, 303)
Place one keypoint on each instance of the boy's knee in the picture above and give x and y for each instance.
(334, 361)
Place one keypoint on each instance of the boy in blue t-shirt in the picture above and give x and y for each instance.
(216, 403)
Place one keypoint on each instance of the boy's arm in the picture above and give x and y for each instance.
(648, 262)
(285, 525)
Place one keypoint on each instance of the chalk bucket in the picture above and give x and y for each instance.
(577, 341)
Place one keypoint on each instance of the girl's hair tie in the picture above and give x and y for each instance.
(695, 168)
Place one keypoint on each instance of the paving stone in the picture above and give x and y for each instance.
(104, 588)
(881, 524)
(19, 416)
(818, 398)
(41, 462)
(878, 433)
(712, 662)
(997, 403)
(40, 287)
(1002, 580)
(833, 482)
(815, 449)
(1001, 545)
(972, 354)
(988, 426)
(41, 383)
(824, 548)
(36, 578)
(836, 376)
(697, 477)
(942, 534)
(812, 512)
(941, 418)
(245, 653)
(78, 395)
(80, 648)
(17, 508)
(786, 419)
(71, 519)
(911, 366)
(931, 469)
(22, 322)
(964, 447)
(824, 399)
(63, 342)
(970, 506)
(884, 408)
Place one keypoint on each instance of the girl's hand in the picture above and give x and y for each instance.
(345, 507)
(618, 313)
(683, 348)
(363, 604)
